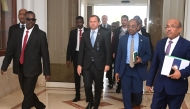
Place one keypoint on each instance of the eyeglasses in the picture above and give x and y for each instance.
(171, 27)
(28, 19)
(131, 26)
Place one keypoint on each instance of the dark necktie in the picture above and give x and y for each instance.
(168, 47)
(23, 48)
(23, 26)
(104, 25)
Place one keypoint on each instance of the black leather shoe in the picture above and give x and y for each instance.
(110, 86)
(42, 108)
(77, 98)
(118, 90)
(90, 105)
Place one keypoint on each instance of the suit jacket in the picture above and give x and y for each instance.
(71, 47)
(143, 52)
(11, 29)
(101, 52)
(144, 33)
(108, 27)
(36, 48)
(171, 86)
(116, 39)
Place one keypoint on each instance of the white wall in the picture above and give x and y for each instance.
(83, 10)
(187, 20)
(39, 7)
(172, 9)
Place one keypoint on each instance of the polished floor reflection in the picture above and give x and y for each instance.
(61, 98)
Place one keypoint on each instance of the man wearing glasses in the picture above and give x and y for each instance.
(130, 65)
(169, 90)
(26, 47)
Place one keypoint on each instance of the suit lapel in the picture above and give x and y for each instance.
(140, 43)
(177, 46)
(32, 35)
(98, 37)
(75, 36)
(88, 38)
(125, 41)
(20, 35)
(162, 46)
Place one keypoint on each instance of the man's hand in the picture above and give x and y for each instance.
(176, 74)
(2, 72)
(68, 63)
(139, 60)
(79, 69)
(47, 78)
(114, 55)
(149, 88)
(107, 67)
(117, 77)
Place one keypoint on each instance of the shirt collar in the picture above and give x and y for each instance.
(104, 24)
(81, 29)
(22, 24)
(30, 30)
(96, 30)
(135, 35)
(174, 40)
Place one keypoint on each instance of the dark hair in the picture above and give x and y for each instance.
(136, 17)
(139, 21)
(125, 16)
(135, 21)
(96, 17)
(30, 12)
(113, 23)
(79, 17)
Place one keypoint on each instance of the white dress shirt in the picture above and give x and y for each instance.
(78, 38)
(30, 30)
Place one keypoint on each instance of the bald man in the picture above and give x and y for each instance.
(169, 90)
(19, 25)
(105, 24)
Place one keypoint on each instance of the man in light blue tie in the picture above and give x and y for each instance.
(94, 59)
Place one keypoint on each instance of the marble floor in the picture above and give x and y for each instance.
(61, 98)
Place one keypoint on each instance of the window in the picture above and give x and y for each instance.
(8, 17)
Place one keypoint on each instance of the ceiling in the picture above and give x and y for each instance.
(116, 2)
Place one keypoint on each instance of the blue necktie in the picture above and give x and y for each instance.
(92, 38)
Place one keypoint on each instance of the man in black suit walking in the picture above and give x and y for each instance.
(105, 24)
(72, 52)
(26, 47)
(22, 24)
(94, 59)
(143, 32)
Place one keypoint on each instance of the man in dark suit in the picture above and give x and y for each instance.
(105, 24)
(26, 47)
(143, 32)
(131, 68)
(145, 23)
(169, 90)
(120, 31)
(22, 24)
(72, 52)
(94, 58)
